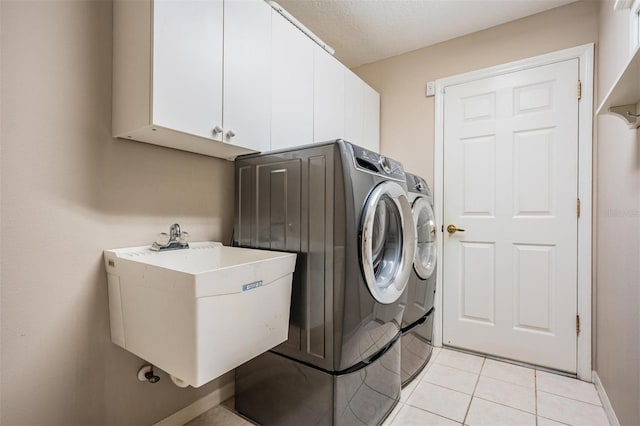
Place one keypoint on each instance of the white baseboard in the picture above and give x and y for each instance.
(199, 407)
(606, 404)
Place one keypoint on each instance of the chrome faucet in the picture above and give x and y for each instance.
(174, 232)
(176, 239)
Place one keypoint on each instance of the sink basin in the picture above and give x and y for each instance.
(199, 312)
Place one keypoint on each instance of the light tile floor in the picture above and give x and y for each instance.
(457, 388)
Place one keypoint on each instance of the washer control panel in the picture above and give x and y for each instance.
(376, 163)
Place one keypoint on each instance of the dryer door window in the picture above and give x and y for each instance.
(387, 243)
(425, 260)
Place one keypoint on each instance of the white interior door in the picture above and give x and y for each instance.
(511, 182)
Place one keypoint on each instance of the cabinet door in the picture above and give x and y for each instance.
(328, 98)
(353, 107)
(247, 74)
(187, 65)
(371, 120)
(292, 85)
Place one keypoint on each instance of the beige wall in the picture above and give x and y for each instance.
(69, 191)
(618, 233)
(407, 116)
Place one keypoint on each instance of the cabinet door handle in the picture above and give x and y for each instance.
(217, 130)
(231, 134)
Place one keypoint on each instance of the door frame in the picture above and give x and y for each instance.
(584, 54)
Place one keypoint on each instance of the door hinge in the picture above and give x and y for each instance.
(579, 90)
(577, 324)
(578, 207)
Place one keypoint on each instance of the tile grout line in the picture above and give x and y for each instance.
(504, 405)
(439, 414)
(448, 388)
(466, 414)
(431, 412)
(556, 376)
(508, 382)
(458, 368)
(445, 386)
(568, 397)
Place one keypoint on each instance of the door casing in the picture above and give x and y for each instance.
(584, 54)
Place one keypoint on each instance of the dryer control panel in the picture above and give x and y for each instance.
(417, 185)
(376, 163)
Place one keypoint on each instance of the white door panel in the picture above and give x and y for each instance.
(353, 108)
(292, 80)
(510, 153)
(371, 121)
(184, 99)
(361, 113)
(328, 97)
(247, 74)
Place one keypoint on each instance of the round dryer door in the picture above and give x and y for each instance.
(388, 241)
(425, 260)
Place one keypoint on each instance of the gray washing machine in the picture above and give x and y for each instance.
(417, 320)
(346, 212)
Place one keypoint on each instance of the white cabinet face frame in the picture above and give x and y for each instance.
(584, 54)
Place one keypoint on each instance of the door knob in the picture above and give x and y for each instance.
(231, 134)
(452, 229)
(217, 130)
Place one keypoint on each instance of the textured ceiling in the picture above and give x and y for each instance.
(364, 31)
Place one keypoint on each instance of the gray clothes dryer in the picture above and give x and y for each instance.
(417, 320)
(345, 211)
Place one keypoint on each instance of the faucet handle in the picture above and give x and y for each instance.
(162, 239)
(184, 238)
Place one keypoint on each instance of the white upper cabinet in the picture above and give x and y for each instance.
(371, 119)
(353, 107)
(362, 113)
(328, 97)
(193, 74)
(292, 85)
(187, 82)
(247, 74)
(230, 77)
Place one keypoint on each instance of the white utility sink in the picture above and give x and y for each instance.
(197, 313)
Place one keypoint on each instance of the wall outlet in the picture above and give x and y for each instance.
(431, 89)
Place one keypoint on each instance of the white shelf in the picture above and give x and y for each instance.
(623, 99)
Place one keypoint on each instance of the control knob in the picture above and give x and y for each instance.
(385, 164)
